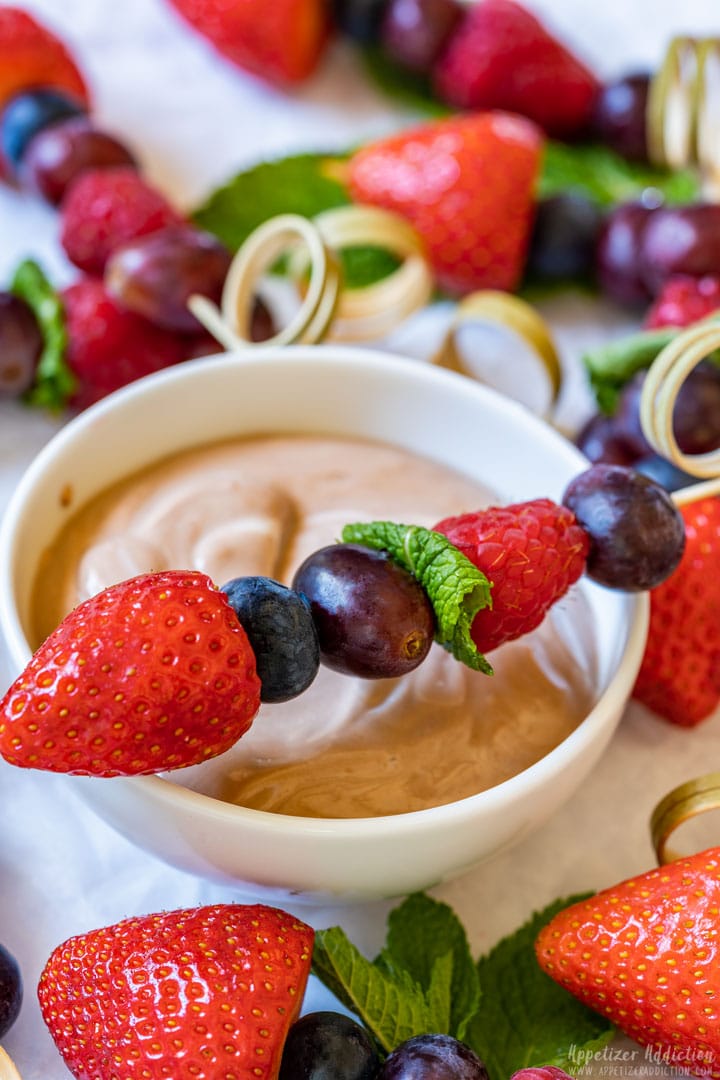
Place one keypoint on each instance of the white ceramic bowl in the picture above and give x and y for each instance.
(329, 390)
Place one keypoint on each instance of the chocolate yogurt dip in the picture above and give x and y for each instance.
(347, 747)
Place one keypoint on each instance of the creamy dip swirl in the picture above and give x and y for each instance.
(347, 747)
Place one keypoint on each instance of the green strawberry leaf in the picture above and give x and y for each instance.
(389, 1003)
(443, 935)
(524, 1017)
(606, 178)
(54, 381)
(456, 588)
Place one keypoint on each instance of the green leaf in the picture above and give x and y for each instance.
(607, 178)
(54, 381)
(403, 86)
(390, 1005)
(610, 366)
(457, 590)
(525, 1018)
(437, 927)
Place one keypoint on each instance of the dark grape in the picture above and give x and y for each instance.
(328, 1046)
(11, 991)
(372, 617)
(680, 240)
(414, 32)
(637, 534)
(619, 116)
(20, 345)
(58, 154)
(156, 274)
(664, 472)
(696, 415)
(359, 19)
(27, 114)
(618, 254)
(564, 237)
(282, 634)
(602, 440)
(433, 1057)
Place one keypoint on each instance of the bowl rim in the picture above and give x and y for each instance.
(162, 789)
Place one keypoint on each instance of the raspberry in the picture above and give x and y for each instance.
(109, 346)
(531, 552)
(105, 208)
(683, 300)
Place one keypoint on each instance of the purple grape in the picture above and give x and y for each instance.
(696, 416)
(680, 240)
(58, 154)
(20, 345)
(414, 32)
(29, 113)
(618, 254)
(156, 274)
(372, 617)
(328, 1046)
(11, 991)
(619, 116)
(637, 534)
(280, 629)
(564, 237)
(433, 1057)
(602, 440)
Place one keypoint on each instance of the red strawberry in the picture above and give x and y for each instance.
(281, 42)
(531, 553)
(680, 674)
(684, 300)
(201, 994)
(502, 57)
(109, 346)
(106, 208)
(32, 56)
(154, 673)
(467, 185)
(646, 955)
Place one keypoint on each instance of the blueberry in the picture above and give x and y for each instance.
(11, 991)
(359, 19)
(328, 1046)
(565, 232)
(664, 472)
(27, 114)
(282, 634)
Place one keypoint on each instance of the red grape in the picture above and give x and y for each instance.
(20, 345)
(58, 154)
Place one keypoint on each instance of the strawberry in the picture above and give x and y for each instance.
(684, 300)
(199, 994)
(109, 346)
(531, 552)
(646, 955)
(502, 57)
(680, 674)
(154, 673)
(281, 42)
(32, 56)
(467, 185)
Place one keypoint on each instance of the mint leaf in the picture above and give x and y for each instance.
(457, 589)
(423, 932)
(607, 178)
(525, 1018)
(54, 381)
(403, 86)
(610, 366)
(390, 1005)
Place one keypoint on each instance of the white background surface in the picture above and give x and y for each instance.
(193, 120)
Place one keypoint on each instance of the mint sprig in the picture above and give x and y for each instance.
(425, 981)
(455, 587)
(54, 381)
